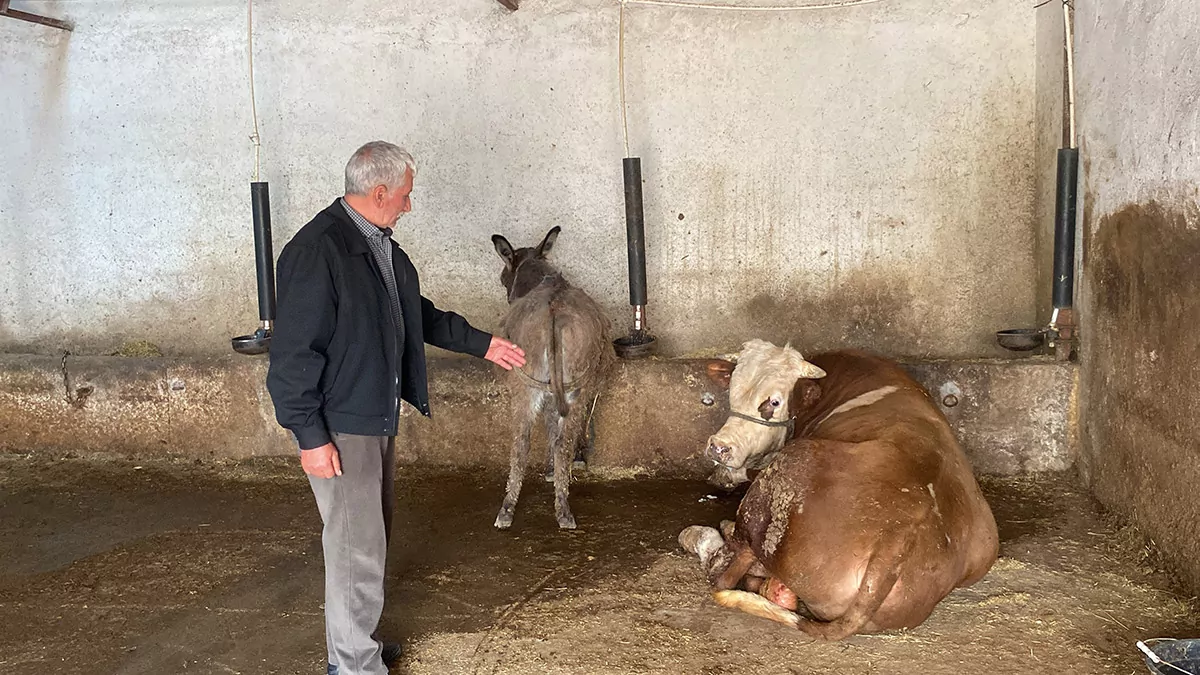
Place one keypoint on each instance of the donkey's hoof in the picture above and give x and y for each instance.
(504, 520)
(566, 522)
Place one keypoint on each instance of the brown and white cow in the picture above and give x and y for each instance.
(865, 520)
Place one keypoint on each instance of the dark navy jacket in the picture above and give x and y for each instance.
(334, 364)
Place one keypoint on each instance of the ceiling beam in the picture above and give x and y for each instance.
(33, 18)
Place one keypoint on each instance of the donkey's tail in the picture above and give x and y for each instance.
(557, 358)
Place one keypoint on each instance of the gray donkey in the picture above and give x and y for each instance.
(568, 354)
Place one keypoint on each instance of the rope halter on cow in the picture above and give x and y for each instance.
(790, 423)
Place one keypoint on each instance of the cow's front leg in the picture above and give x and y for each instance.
(702, 541)
(733, 574)
(708, 544)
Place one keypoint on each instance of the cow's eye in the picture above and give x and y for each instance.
(775, 403)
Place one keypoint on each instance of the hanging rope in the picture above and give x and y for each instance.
(253, 106)
(621, 75)
(1069, 47)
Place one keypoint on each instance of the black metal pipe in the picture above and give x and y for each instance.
(264, 259)
(1064, 227)
(635, 231)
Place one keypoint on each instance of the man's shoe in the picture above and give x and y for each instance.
(391, 653)
(330, 669)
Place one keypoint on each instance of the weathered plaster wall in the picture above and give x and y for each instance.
(859, 176)
(1139, 64)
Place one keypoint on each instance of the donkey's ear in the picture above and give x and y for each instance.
(548, 243)
(504, 248)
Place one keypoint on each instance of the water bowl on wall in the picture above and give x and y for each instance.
(634, 346)
(1021, 339)
(1168, 656)
(252, 345)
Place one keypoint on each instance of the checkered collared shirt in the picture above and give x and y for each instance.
(380, 242)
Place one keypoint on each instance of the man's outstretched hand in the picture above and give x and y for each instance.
(505, 354)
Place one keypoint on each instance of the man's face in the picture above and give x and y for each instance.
(397, 202)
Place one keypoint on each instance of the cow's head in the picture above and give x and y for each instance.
(761, 385)
(524, 268)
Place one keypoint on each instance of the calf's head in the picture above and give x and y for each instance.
(525, 268)
(761, 385)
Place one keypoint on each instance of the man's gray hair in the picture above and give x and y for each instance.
(377, 163)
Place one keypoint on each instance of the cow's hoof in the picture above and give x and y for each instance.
(503, 521)
(727, 529)
(566, 522)
(701, 540)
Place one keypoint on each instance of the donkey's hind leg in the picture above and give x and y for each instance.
(562, 447)
(553, 432)
(525, 408)
(585, 446)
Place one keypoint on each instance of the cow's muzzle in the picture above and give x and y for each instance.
(719, 451)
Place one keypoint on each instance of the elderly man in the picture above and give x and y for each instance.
(349, 344)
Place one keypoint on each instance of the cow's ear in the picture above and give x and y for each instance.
(804, 396)
(719, 371)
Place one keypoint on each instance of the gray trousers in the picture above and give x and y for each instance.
(356, 509)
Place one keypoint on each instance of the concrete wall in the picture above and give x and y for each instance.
(1140, 123)
(859, 176)
(1011, 417)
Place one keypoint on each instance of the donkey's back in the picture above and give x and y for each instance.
(559, 325)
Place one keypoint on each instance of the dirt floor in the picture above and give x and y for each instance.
(171, 567)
